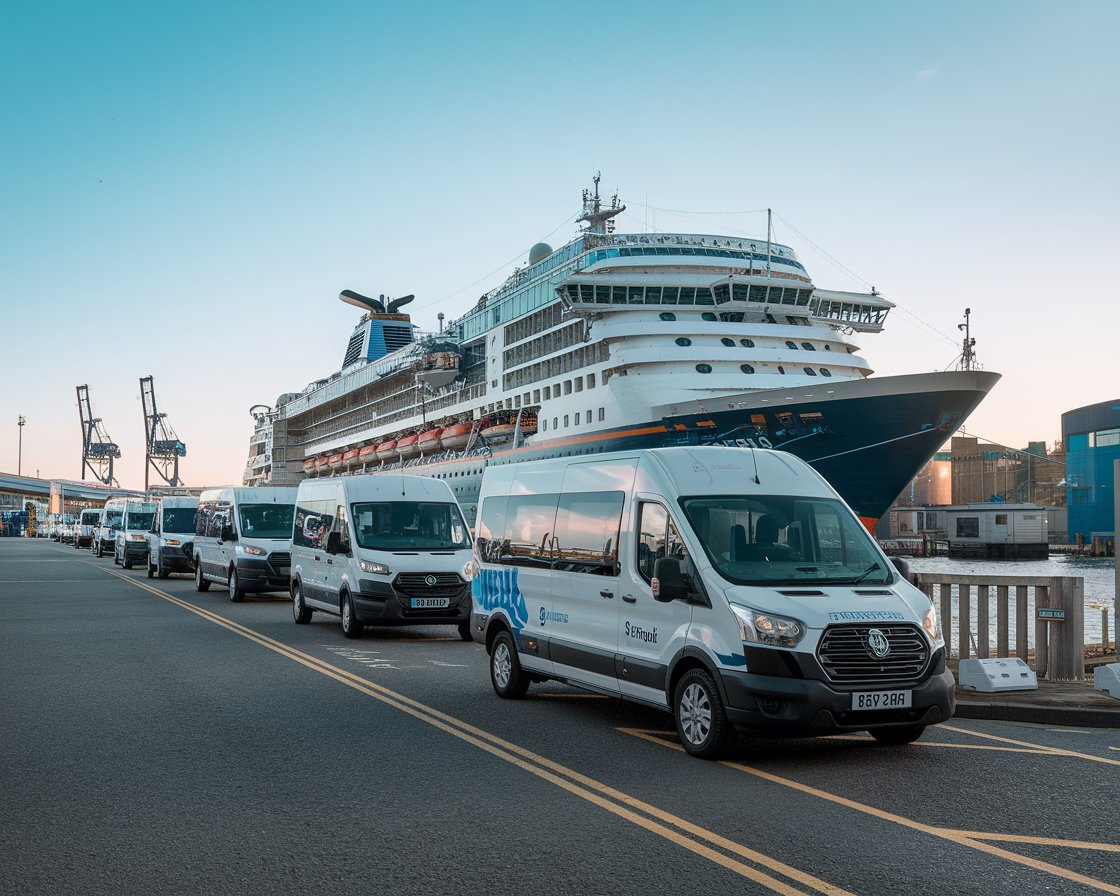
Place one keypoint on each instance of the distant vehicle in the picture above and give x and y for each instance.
(243, 539)
(171, 539)
(66, 532)
(380, 550)
(105, 535)
(87, 522)
(131, 544)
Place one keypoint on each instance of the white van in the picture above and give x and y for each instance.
(87, 523)
(131, 544)
(243, 539)
(732, 587)
(381, 550)
(171, 539)
(105, 535)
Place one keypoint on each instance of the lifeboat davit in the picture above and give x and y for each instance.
(455, 436)
(408, 446)
(386, 450)
(335, 461)
(429, 441)
(321, 464)
(528, 424)
(309, 466)
(349, 458)
(367, 454)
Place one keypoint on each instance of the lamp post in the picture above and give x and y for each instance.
(19, 457)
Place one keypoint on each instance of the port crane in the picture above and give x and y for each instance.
(162, 447)
(98, 450)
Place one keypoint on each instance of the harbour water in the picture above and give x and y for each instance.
(1098, 573)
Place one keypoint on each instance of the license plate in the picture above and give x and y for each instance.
(881, 700)
(428, 603)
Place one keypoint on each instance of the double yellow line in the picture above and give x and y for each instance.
(728, 854)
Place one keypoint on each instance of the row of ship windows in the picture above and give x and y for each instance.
(567, 387)
(586, 419)
(637, 251)
(605, 294)
(574, 360)
(747, 368)
(684, 342)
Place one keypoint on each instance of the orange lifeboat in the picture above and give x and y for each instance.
(528, 424)
(321, 465)
(429, 441)
(455, 436)
(350, 457)
(386, 450)
(367, 454)
(335, 461)
(309, 466)
(498, 428)
(408, 446)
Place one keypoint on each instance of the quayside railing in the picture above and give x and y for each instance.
(1057, 650)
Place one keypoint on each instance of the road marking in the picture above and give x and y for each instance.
(1053, 751)
(970, 839)
(927, 744)
(656, 821)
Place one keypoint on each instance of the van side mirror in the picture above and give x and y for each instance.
(227, 533)
(334, 543)
(902, 566)
(668, 583)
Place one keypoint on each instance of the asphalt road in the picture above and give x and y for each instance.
(155, 740)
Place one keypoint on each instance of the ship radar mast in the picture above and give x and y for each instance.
(598, 218)
(968, 356)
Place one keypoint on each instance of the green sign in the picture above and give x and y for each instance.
(1051, 613)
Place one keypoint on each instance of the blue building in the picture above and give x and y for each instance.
(1092, 439)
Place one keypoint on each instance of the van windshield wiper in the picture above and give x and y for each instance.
(863, 575)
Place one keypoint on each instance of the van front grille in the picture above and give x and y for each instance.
(846, 655)
(416, 584)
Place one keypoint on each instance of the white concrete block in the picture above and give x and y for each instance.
(1010, 674)
(1107, 679)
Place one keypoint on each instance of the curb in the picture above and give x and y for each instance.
(1069, 716)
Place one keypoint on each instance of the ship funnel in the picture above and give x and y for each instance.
(364, 302)
(396, 303)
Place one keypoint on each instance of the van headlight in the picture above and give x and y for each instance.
(933, 627)
(767, 628)
(470, 569)
(249, 549)
(374, 569)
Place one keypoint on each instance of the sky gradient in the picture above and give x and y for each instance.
(185, 190)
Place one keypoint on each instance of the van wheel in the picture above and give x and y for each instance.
(505, 669)
(465, 630)
(236, 594)
(126, 563)
(151, 570)
(350, 625)
(163, 573)
(300, 611)
(896, 737)
(201, 583)
(702, 723)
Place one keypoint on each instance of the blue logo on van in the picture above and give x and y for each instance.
(552, 616)
(497, 589)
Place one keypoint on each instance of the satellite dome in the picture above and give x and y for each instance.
(539, 252)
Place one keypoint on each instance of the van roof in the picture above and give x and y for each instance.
(379, 487)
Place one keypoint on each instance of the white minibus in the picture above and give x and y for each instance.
(243, 539)
(732, 587)
(380, 550)
(171, 539)
(131, 543)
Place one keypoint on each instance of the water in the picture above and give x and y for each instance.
(1098, 572)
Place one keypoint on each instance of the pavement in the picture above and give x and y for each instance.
(1070, 703)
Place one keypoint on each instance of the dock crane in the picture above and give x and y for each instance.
(98, 450)
(162, 447)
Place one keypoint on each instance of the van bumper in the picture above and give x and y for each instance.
(378, 603)
(136, 550)
(174, 560)
(766, 704)
(260, 575)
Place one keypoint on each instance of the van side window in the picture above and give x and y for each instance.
(491, 529)
(529, 531)
(657, 538)
(587, 528)
(342, 527)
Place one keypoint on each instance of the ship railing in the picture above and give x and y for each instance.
(1056, 604)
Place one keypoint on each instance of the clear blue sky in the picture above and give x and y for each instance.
(186, 189)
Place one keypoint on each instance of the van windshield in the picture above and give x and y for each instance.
(409, 525)
(266, 520)
(179, 519)
(140, 521)
(113, 518)
(773, 540)
(90, 517)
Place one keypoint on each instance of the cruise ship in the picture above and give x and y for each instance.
(620, 341)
